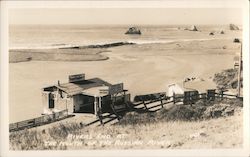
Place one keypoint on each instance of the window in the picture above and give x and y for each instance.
(51, 101)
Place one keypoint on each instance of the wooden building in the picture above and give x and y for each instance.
(84, 96)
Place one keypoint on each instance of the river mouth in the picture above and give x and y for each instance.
(142, 71)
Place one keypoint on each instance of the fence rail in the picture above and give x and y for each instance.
(190, 99)
(45, 119)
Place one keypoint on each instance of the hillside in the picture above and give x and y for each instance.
(197, 126)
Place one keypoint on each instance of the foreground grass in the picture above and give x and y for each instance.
(223, 132)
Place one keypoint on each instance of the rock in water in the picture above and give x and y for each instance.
(211, 33)
(193, 28)
(236, 40)
(233, 27)
(133, 30)
(222, 32)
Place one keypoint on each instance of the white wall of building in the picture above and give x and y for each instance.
(174, 88)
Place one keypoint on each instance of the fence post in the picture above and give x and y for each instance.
(34, 124)
(222, 92)
(161, 102)
(204, 97)
(174, 98)
(99, 111)
(100, 118)
(145, 105)
(113, 108)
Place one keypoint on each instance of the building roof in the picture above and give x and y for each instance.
(95, 91)
(79, 86)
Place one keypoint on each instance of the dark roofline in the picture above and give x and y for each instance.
(85, 84)
(77, 82)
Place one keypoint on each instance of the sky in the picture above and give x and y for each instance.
(140, 16)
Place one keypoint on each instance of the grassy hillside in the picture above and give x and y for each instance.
(177, 127)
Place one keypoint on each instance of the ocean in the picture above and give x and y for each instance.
(56, 36)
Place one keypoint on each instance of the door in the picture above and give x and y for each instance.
(51, 101)
(85, 103)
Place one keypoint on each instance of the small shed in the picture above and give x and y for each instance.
(175, 89)
(177, 92)
(82, 95)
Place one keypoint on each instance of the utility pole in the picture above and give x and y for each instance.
(239, 71)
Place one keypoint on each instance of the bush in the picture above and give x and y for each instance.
(227, 79)
(25, 140)
(133, 118)
(223, 78)
(200, 110)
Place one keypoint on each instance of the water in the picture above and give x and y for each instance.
(54, 36)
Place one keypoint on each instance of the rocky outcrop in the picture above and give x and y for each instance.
(115, 44)
(133, 30)
(233, 27)
(211, 33)
(236, 40)
(110, 45)
(193, 28)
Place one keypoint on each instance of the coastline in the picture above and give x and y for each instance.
(95, 52)
(72, 53)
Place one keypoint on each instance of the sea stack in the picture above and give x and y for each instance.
(233, 27)
(133, 30)
(193, 28)
(236, 40)
(211, 33)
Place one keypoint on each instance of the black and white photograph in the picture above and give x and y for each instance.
(140, 76)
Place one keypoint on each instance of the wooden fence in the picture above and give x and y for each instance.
(150, 102)
(185, 99)
(45, 119)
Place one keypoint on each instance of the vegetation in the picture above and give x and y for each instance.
(227, 79)
(177, 127)
(199, 111)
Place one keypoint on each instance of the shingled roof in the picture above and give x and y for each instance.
(79, 86)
